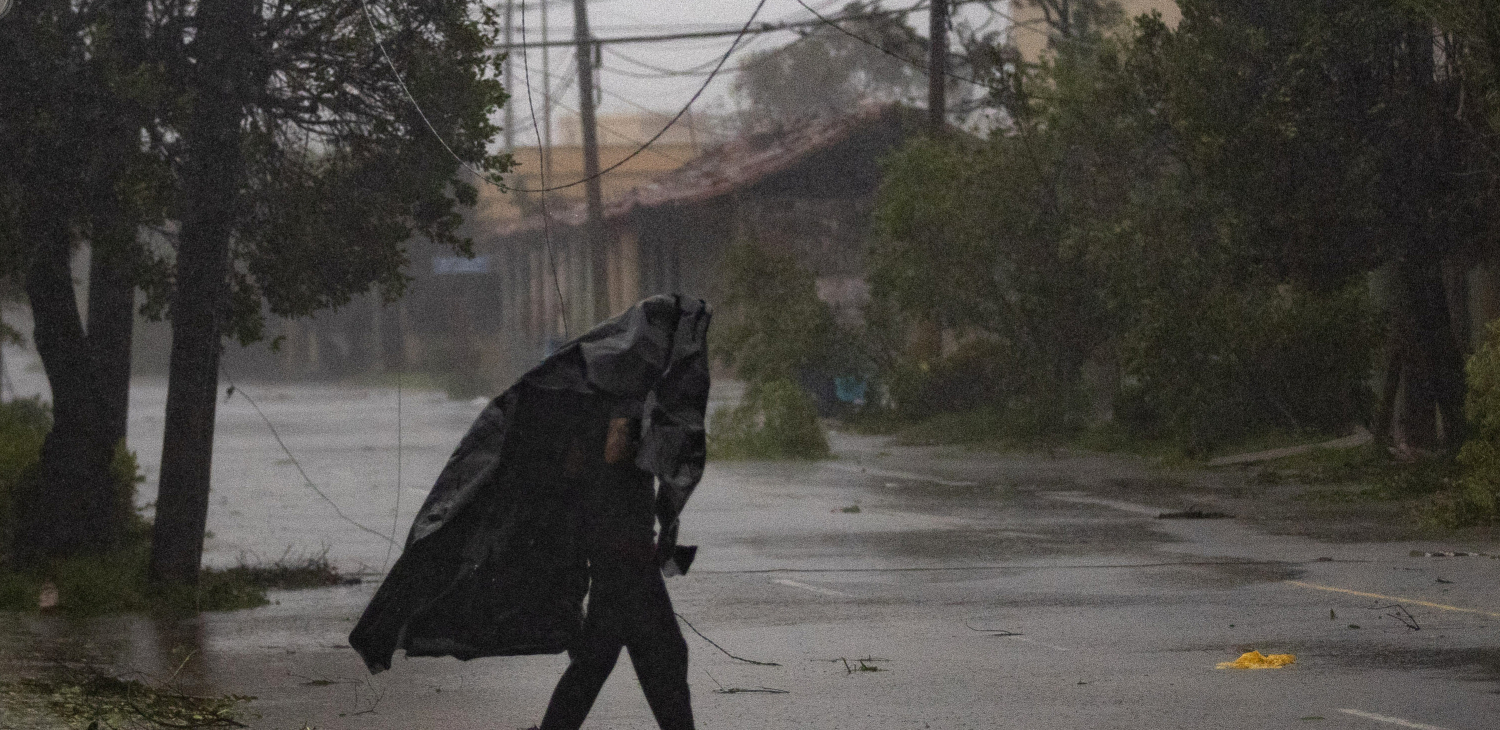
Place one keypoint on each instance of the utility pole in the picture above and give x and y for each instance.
(937, 66)
(545, 143)
(596, 256)
(510, 79)
(556, 314)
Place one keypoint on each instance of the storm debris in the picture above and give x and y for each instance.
(1400, 613)
(95, 699)
(1256, 660)
(1193, 514)
(744, 690)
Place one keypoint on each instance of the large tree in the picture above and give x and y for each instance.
(305, 166)
(76, 169)
(290, 164)
(1334, 132)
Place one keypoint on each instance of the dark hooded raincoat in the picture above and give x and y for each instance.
(494, 564)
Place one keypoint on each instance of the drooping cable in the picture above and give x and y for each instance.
(395, 513)
(562, 304)
(680, 112)
(306, 480)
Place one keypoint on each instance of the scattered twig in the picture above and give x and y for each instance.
(1401, 614)
(992, 632)
(862, 665)
(720, 648)
(321, 681)
(722, 690)
(172, 679)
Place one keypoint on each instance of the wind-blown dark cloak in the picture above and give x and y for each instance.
(493, 564)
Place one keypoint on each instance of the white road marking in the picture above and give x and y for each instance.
(1030, 640)
(1391, 720)
(806, 587)
(857, 469)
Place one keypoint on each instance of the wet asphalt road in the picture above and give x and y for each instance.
(988, 591)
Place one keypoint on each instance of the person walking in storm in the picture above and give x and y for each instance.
(628, 606)
(550, 497)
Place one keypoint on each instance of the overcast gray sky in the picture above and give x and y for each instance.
(629, 80)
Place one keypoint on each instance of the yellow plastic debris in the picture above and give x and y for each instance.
(1257, 660)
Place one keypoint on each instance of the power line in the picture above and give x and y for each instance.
(370, 18)
(685, 107)
(695, 70)
(307, 480)
(832, 22)
(562, 304)
(766, 27)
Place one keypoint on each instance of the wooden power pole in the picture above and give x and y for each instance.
(596, 257)
(937, 66)
(510, 78)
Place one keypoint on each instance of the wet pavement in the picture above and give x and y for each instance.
(989, 591)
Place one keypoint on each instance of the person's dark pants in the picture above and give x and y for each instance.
(628, 608)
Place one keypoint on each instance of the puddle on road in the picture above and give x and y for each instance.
(154, 647)
(1218, 576)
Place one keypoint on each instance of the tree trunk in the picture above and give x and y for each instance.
(68, 506)
(111, 325)
(211, 180)
(1426, 363)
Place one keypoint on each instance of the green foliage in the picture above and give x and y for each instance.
(772, 328)
(88, 698)
(771, 325)
(1190, 212)
(23, 426)
(775, 420)
(115, 583)
(826, 70)
(1248, 361)
(1478, 499)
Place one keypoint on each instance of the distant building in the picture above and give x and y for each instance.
(806, 189)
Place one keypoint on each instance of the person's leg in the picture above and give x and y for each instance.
(591, 662)
(660, 655)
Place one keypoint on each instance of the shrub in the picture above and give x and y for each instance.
(776, 420)
(23, 426)
(1478, 497)
(773, 330)
(1238, 362)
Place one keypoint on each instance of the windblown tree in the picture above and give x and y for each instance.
(1200, 208)
(304, 168)
(78, 164)
(1335, 132)
(289, 164)
(828, 70)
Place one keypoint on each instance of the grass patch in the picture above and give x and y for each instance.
(116, 583)
(84, 698)
(1354, 465)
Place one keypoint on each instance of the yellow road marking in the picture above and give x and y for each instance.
(1394, 599)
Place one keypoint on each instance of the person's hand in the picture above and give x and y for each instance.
(619, 443)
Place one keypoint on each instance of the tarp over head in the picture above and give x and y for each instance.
(493, 564)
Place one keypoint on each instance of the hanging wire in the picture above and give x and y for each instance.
(307, 480)
(562, 304)
(400, 81)
(830, 22)
(680, 112)
(395, 513)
